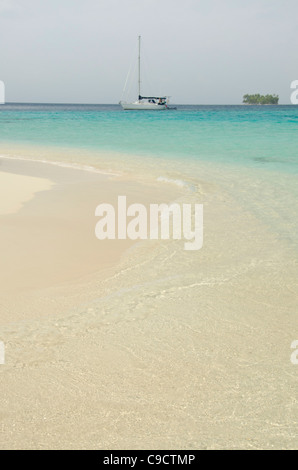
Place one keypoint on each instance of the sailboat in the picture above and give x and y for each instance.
(157, 103)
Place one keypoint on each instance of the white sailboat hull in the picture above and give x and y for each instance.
(143, 106)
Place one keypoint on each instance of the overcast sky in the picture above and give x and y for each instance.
(197, 51)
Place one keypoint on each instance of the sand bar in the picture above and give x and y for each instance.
(151, 347)
(15, 190)
(50, 239)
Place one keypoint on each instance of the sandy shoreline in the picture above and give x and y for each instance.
(15, 190)
(49, 239)
(149, 348)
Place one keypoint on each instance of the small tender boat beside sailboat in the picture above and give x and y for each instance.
(156, 103)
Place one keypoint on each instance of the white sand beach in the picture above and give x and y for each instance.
(125, 345)
(15, 190)
(148, 227)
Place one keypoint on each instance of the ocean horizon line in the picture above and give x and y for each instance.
(117, 104)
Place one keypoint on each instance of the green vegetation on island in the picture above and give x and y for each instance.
(260, 99)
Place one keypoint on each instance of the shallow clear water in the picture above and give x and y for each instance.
(248, 152)
(220, 319)
(253, 136)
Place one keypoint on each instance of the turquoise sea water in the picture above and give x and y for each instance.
(253, 136)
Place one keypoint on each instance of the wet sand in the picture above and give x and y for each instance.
(48, 241)
(16, 190)
(143, 345)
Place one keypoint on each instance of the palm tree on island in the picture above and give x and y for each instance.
(260, 99)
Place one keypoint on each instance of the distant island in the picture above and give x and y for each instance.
(260, 99)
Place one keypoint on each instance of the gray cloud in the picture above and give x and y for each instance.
(198, 51)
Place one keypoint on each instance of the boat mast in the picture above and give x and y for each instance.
(139, 67)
